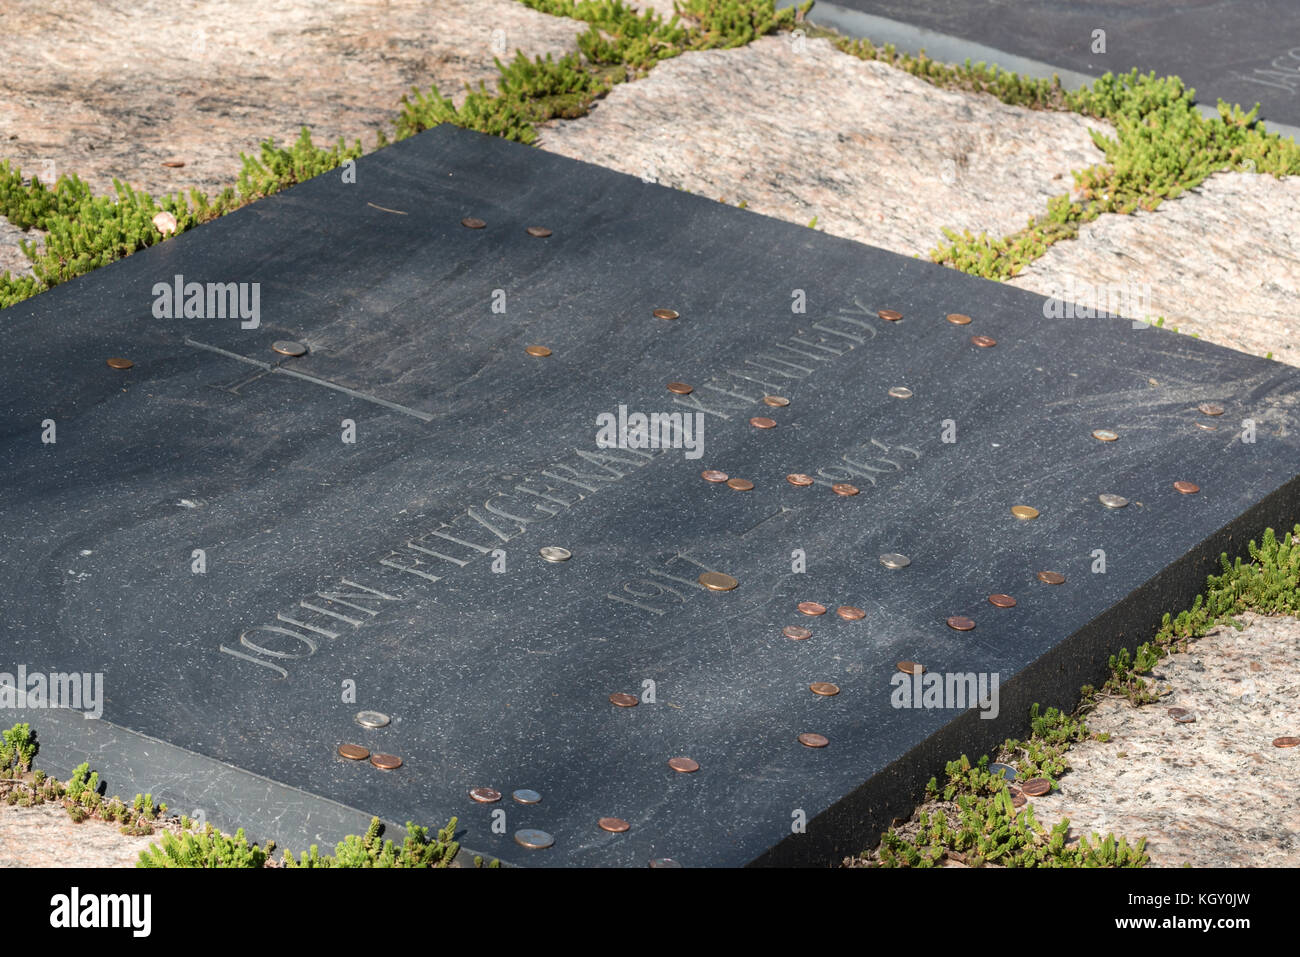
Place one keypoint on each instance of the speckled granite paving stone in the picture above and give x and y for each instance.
(44, 836)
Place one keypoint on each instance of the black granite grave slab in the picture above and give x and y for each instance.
(1241, 51)
(400, 571)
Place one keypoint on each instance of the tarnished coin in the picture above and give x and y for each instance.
(984, 342)
(526, 796)
(812, 608)
(1210, 408)
(799, 479)
(959, 319)
(1187, 488)
(894, 560)
(1182, 715)
(740, 484)
(533, 839)
(810, 739)
(777, 401)
(666, 314)
(353, 752)
(680, 388)
(1017, 798)
(540, 352)
(541, 232)
(1051, 578)
(1004, 771)
(664, 862)
(173, 164)
(901, 392)
(1024, 512)
(713, 475)
(958, 623)
(850, 613)
(1000, 600)
(554, 553)
(624, 700)
(824, 688)
(1104, 435)
(684, 765)
(797, 632)
(889, 315)
(615, 825)
(118, 363)
(485, 795)
(1112, 501)
(1286, 742)
(472, 222)
(910, 667)
(844, 488)
(1207, 426)
(287, 347)
(717, 581)
(1036, 787)
(371, 719)
(762, 422)
(386, 762)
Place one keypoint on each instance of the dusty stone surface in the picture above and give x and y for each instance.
(1221, 261)
(1212, 793)
(44, 836)
(797, 129)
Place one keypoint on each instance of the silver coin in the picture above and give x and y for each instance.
(525, 796)
(372, 719)
(1005, 771)
(664, 862)
(901, 392)
(533, 838)
(287, 347)
(1207, 426)
(1112, 501)
(554, 553)
(894, 560)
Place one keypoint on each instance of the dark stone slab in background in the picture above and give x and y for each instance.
(502, 679)
(1242, 51)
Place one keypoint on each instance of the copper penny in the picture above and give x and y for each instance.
(1036, 787)
(666, 313)
(472, 222)
(713, 475)
(1017, 799)
(1024, 512)
(386, 762)
(680, 388)
(810, 739)
(717, 581)
(353, 752)
(890, 315)
(1104, 435)
(118, 363)
(1051, 578)
(485, 795)
(984, 342)
(776, 401)
(615, 825)
(824, 688)
(797, 632)
(850, 613)
(1002, 601)
(740, 484)
(624, 700)
(1210, 408)
(910, 667)
(684, 765)
(287, 347)
(812, 608)
(844, 488)
(664, 862)
(799, 479)
(959, 319)
(541, 232)
(1182, 715)
(1287, 742)
(540, 351)
(1207, 426)
(173, 164)
(1187, 488)
(762, 422)
(958, 623)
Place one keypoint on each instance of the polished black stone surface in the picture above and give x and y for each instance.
(327, 588)
(1241, 51)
